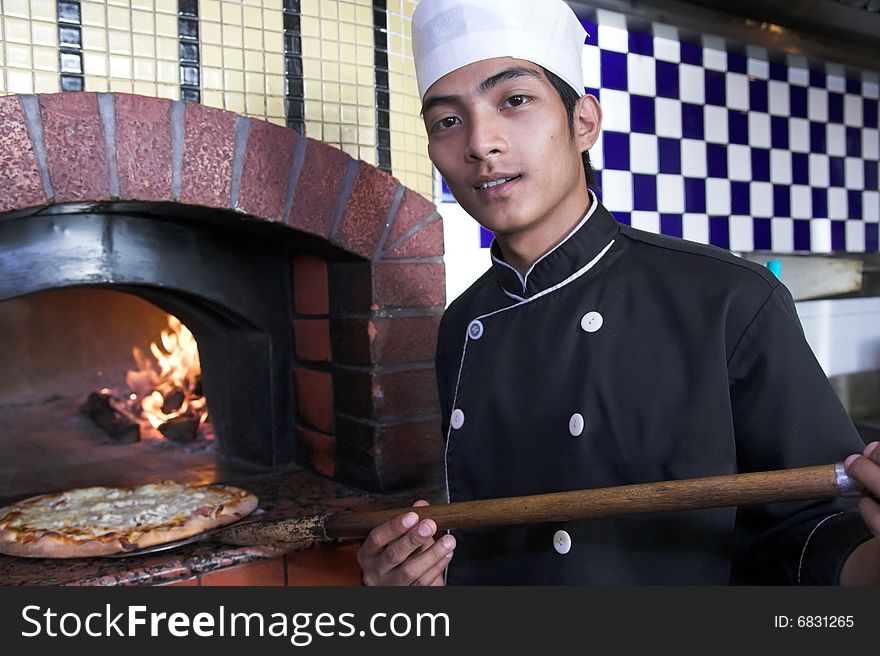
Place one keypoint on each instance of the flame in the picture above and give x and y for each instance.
(178, 374)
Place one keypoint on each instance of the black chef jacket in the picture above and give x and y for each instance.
(627, 357)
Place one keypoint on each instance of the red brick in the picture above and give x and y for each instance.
(366, 211)
(386, 340)
(413, 210)
(385, 457)
(262, 572)
(206, 170)
(383, 394)
(312, 339)
(412, 453)
(314, 391)
(19, 173)
(143, 147)
(421, 284)
(266, 170)
(76, 151)
(310, 286)
(360, 287)
(334, 565)
(318, 189)
(351, 286)
(317, 450)
(427, 242)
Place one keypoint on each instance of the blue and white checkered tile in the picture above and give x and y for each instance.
(744, 149)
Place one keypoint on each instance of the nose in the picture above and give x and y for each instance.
(486, 137)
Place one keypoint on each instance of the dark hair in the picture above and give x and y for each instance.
(570, 98)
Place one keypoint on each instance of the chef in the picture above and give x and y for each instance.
(592, 354)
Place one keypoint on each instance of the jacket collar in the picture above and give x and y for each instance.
(579, 247)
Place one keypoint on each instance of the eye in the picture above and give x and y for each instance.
(517, 100)
(444, 123)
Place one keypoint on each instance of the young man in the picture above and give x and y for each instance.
(593, 355)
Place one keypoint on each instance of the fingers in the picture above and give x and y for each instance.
(423, 568)
(865, 469)
(403, 551)
(434, 575)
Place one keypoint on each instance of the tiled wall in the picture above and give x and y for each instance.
(728, 144)
(235, 59)
(29, 56)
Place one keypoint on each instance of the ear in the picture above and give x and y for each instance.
(587, 121)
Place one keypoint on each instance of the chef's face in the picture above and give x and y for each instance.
(500, 136)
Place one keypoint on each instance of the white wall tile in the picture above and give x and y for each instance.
(692, 84)
(667, 117)
(780, 166)
(820, 235)
(871, 206)
(817, 104)
(649, 221)
(835, 139)
(670, 193)
(799, 135)
(742, 236)
(715, 124)
(667, 49)
(615, 110)
(778, 99)
(643, 153)
(801, 202)
(782, 234)
(737, 86)
(695, 227)
(717, 197)
(855, 173)
(852, 110)
(641, 74)
(759, 130)
(739, 162)
(871, 143)
(761, 200)
(837, 203)
(617, 190)
(693, 158)
(819, 170)
(855, 235)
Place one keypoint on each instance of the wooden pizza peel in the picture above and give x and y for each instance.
(819, 482)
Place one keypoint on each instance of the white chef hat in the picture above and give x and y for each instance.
(449, 34)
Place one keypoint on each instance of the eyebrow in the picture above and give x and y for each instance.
(485, 86)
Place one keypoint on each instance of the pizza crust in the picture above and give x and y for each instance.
(51, 543)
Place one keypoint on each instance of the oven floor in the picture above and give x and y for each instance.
(50, 446)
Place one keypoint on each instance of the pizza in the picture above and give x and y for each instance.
(100, 521)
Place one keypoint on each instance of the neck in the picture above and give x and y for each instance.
(522, 249)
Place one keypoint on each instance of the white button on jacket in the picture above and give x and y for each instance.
(562, 542)
(591, 322)
(475, 329)
(457, 419)
(576, 424)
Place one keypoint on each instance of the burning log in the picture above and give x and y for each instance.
(182, 428)
(113, 420)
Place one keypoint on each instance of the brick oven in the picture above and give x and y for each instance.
(313, 283)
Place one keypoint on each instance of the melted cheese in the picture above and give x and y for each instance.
(96, 511)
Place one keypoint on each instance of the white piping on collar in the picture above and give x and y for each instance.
(524, 279)
(577, 274)
(521, 301)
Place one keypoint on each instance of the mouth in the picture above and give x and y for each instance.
(495, 183)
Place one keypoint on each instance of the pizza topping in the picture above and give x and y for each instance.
(101, 513)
